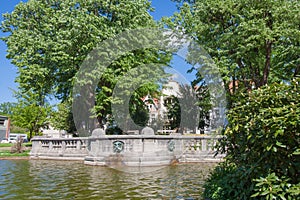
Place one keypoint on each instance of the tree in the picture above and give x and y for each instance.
(129, 110)
(255, 45)
(252, 43)
(173, 112)
(204, 100)
(62, 118)
(6, 108)
(190, 110)
(30, 115)
(49, 40)
(262, 146)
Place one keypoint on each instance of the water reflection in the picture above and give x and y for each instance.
(44, 179)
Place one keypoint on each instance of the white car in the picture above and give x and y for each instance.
(4, 141)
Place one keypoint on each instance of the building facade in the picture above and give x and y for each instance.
(4, 128)
(158, 111)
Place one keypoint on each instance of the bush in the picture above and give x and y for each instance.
(261, 140)
(227, 181)
(274, 187)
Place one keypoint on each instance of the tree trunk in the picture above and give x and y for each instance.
(267, 67)
(297, 71)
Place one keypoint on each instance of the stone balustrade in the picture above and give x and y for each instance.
(129, 150)
(59, 148)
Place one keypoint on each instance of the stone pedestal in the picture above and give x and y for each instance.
(98, 132)
(147, 131)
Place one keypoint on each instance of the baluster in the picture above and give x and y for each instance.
(204, 144)
(50, 145)
(188, 146)
(63, 145)
(193, 146)
(78, 145)
(198, 146)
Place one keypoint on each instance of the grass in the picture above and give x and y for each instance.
(28, 144)
(7, 153)
(6, 144)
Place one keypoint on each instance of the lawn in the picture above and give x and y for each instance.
(7, 153)
(6, 144)
(28, 144)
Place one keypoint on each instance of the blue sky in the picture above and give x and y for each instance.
(9, 72)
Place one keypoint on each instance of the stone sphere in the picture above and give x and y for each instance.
(98, 132)
(147, 131)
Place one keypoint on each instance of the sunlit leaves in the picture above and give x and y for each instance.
(254, 42)
(49, 40)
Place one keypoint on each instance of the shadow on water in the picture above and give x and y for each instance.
(45, 179)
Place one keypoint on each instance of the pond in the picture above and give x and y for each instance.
(47, 179)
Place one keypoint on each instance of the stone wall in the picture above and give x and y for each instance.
(129, 150)
(59, 148)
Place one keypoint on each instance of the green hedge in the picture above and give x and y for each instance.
(262, 145)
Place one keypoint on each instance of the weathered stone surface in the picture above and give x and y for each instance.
(98, 132)
(147, 131)
(139, 150)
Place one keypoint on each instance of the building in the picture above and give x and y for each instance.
(159, 112)
(4, 128)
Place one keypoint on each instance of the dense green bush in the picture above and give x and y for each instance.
(262, 146)
(272, 187)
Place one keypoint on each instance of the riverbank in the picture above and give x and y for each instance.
(14, 157)
(5, 153)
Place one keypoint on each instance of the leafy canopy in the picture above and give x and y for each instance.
(253, 42)
(49, 40)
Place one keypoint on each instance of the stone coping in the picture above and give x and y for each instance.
(105, 137)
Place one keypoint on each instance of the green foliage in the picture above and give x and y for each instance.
(252, 42)
(138, 79)
(204, 100)
(261, 140)
(49, 40)
(6, 108)
(54, 37)
(62, 118)
(16, 129)
(174, 112)
(28, 114)
(270, 115)
(228, 181)
(192, 104)
(274, 187)
(139, 112)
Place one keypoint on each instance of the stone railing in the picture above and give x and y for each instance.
(200, 149)
(59, 148)
(131, 150)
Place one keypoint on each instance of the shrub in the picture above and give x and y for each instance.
(274, 187)
(262, 138)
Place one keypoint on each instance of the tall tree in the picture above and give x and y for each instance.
(49, 40)
(252, 42)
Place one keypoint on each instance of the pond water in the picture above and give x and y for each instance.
(44, 179)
